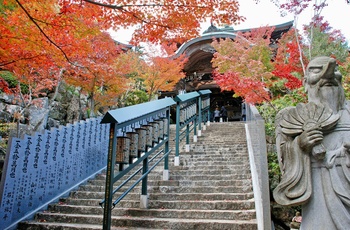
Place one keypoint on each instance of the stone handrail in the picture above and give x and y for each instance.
(255, 129)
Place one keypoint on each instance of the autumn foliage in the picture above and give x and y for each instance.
(163, 71)
(45, 43)
(244, 64)
(161, 21)
(287, 64)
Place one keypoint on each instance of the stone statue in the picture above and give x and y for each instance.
(313, 146)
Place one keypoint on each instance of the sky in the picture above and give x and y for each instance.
(265, 13)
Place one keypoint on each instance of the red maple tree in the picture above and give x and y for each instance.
(287, 64)
(244, 65)
(40, 40)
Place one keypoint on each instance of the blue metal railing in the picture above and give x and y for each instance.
(204, 109)
(186, 116)
(191, 110)
(129, 119)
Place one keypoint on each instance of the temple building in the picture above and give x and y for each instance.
(199, 69)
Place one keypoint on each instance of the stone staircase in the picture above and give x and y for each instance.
(211, 189)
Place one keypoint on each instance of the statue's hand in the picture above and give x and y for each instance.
(347, 154)
(346, 148)
(309, 138)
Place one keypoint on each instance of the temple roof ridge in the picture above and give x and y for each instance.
(213, 29)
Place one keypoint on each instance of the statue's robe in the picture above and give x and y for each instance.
(322, 187)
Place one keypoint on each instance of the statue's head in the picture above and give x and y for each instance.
(323, 83)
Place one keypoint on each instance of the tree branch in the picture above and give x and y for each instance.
(115, 7)
(13, 61)
(122, 8)
(44, 34)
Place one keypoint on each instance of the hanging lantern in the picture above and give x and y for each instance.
(182, 115)
(142, 133)
(155, 131)
(160, 129)
(149, 135)
(134, 138)
(123, 150)
(166, 125)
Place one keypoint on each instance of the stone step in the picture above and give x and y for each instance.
(186, 182)
(68, 226)
(205, 189)
(211, 149)
(237, 166)
(154, 222)
(202, 171)
(186, 204)
(212, 169)
(179, 175)
(180, 189)
(160, 213)
(165, 196)
(210, 175)
(212, 163)
(213, 154)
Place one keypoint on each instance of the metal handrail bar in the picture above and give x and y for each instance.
(191, 129)
(188, 121)
(182, 136)
(131, 176)
(142, 177)
(183, 132)
(139, 160)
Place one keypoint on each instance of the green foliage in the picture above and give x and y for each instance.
(324, 44)
(5, 129)
(278, 87)
(11, 79)
(10, 5)
(136, 97)
(344, 69)
(268, 110)
(72, 90)
(273, 169)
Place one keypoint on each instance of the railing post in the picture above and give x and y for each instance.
(166, 148)
(204, 107)
(177, 136)
(199, 116)
(187, 147)
(208, 117)
(144, 196)
(195, 129)
(109, 176)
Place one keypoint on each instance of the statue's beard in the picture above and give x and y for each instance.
(331, 96)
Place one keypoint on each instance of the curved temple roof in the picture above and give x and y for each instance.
(200, 52)
(229, 32)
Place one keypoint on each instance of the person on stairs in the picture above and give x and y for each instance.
(223, 113)
(217, 114)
